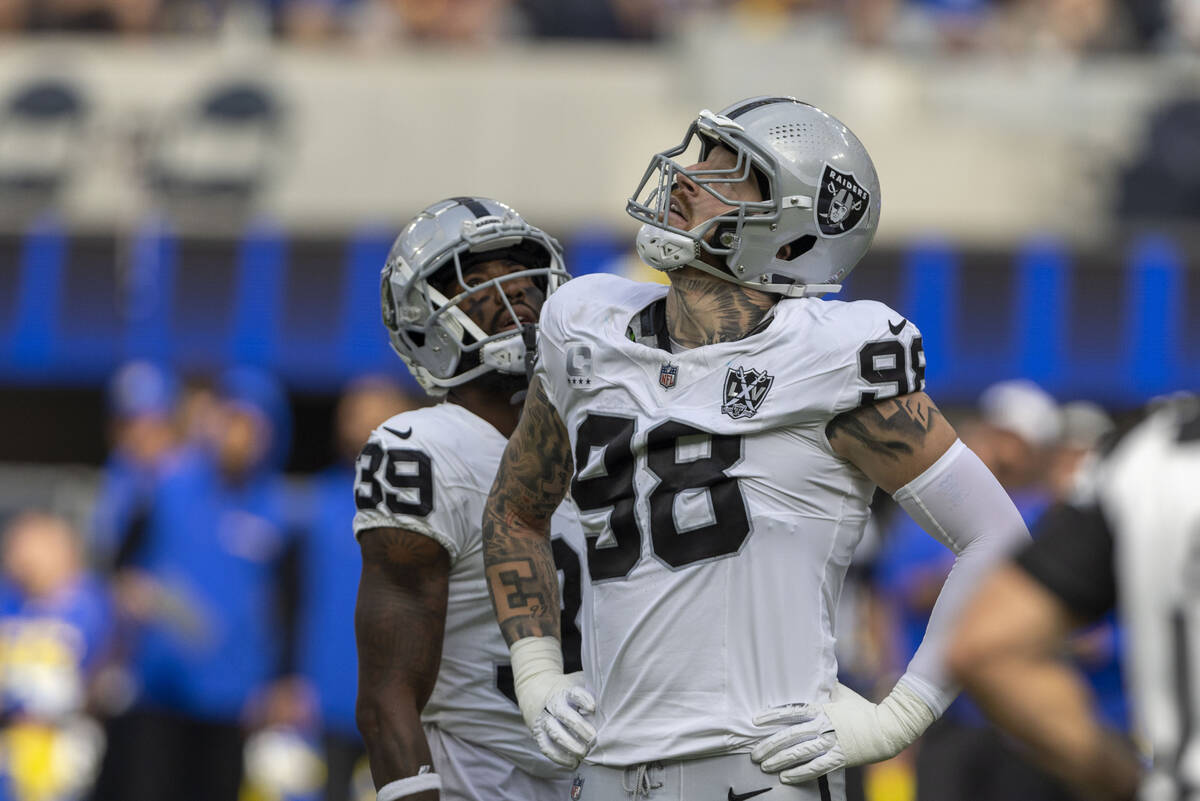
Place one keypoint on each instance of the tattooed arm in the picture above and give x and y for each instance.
(892, 441)
(398, 623)
(532, 480)
(906, 447)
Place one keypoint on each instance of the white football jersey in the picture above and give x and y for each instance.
(1148, 492)
(719, 521)
(429, 471)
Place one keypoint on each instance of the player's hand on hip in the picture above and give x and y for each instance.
(848, 730)
(560, 729)
(553, 703)
(806, 748)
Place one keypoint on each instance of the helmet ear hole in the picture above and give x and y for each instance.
(797, 247)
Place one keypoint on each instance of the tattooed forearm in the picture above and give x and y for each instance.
(892, 441)
(531, 482)
(399, 623)
(702, 310)
(525, 606)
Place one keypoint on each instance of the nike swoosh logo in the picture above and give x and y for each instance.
(897, 328)
(400, 434)
(742, 796)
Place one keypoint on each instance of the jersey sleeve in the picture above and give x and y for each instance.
(408, 482)
(881, 354)
(1072, 557)
(552, 362)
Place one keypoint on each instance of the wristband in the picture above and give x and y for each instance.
(537, 664)
(402, 788)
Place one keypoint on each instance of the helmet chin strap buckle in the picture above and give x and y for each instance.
(665, 250)
(505, 355)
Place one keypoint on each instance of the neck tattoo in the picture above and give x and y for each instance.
(704, 311)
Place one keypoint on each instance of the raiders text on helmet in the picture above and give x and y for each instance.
(819, 211)
(435, 338)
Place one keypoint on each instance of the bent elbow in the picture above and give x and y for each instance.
(376, 714)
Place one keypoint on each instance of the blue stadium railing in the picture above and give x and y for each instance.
(1118, 329)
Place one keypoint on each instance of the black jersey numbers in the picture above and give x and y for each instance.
(404, 485)
(568, 563)
(604, 480)
(891, 368)
(697, 511)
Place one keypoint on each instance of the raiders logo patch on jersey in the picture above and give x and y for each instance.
(745, 391)
(841, 203)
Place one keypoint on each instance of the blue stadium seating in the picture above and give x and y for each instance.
(72, 307)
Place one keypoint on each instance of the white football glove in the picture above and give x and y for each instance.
(552, 703)
(849, 730)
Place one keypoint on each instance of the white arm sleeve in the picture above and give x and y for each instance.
(961, 503)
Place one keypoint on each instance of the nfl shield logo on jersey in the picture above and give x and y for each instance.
(841, 203)
(666, 376)
(576, 788)
(745, 391)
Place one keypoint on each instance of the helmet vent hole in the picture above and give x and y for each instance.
(800, 133)
(798, 247)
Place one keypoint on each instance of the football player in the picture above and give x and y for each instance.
(1131, 533)
(722, 439)
(462, 290)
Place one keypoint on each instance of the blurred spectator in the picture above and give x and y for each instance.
(595, 19)
(142, 436)
(311, 21)
(207, 577)
(330, 562)
(1019, 426)
(1084, 427)
(455, 21)
(55, 625)
(115, 16)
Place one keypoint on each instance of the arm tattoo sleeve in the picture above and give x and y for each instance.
(398, 624)
(534, 474)
(892, 441)
(892, 428)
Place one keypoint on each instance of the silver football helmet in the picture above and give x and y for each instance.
(422, 286)
(820, 199)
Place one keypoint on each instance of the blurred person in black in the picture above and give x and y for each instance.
(56, 626)
(1129, 537)
(208, 576)
(330, 564)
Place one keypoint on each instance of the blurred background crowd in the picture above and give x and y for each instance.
(196, 198)
(1073, 25)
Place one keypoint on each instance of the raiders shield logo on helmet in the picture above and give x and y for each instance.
(841, 203)
(745, 390)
